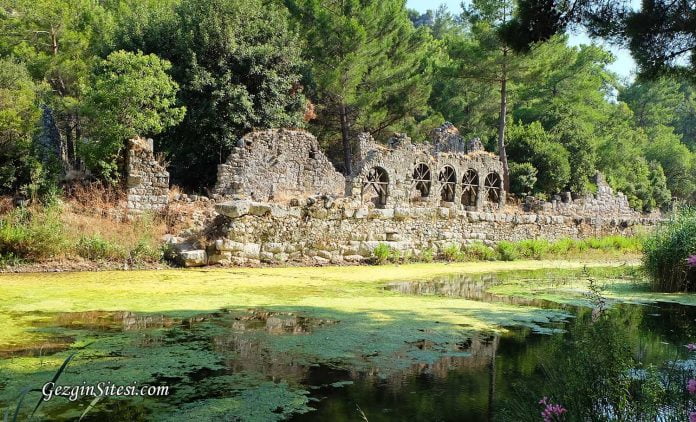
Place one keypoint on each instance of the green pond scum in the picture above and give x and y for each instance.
(304, 343)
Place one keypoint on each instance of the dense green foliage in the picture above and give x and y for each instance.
(371, 69)
(129, 95)
(78, 78)
(19, 116)
(238, 66)
(667, 251)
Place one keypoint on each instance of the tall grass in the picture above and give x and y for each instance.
(667, 249)
(60, 231)
(32, 233)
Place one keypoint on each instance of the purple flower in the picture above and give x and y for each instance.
(692, 417)
(691, 261)
(553, 412)
(691, 386)
(691, 347)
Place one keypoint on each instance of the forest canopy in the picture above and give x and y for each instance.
(79, 77)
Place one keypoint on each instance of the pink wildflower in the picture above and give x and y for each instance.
(691, 347)
(553, 412)
(692, 417)
(691, 261)
(691, 386)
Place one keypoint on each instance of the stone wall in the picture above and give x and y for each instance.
(325, 230)
(274, 163)
(147, 183)
(409, 196)
(440, 173)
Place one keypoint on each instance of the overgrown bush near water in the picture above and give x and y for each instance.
(32, 233)
(592, 372)
(667, 251)
(56, 231)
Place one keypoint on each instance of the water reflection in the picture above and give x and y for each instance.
(475, 377)
(466, 287)
(105, 321)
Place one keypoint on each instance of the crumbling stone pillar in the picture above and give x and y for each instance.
(147, 181)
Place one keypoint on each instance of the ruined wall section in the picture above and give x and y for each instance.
(147, 182)
(605, 203)
(275, 163)
(437, 174)
(322, 231)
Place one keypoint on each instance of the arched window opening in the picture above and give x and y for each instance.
(493, 187)
(470, 188)
(422, 180)
(448, 178)
(376, 186)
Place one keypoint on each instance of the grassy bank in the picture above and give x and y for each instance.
(534, 249)
(62, 231)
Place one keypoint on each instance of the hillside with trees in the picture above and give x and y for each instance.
(78, 78)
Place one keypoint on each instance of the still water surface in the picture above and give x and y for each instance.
(208, 358)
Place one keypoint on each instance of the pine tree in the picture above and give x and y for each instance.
(370, 67)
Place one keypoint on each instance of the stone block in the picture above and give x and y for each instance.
(443, 212)
(393, 236)
(234, 209)
(193, 258)
(251, 250)
(401, 213)
(228, 245)
(222, 258)
(259, 209)
(381, 214)
(361, 213)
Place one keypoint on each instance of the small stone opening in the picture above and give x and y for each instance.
(422, 181)
(376, 186)
(470, 188)
(493, 187)
(448, 179)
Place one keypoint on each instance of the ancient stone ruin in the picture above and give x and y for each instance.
(147, 184)
(282, 201)
(446, 172)
(278, 163)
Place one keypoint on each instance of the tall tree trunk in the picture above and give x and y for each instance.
(345, 137)
(502, 124)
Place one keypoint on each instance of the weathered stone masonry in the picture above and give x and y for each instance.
(147, 185)
(409, 196)
(265, 165)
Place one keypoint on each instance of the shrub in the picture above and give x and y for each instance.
(382, 253)
(35, 233)
(479, 252)
(667, 250)
(507, 251)
(452, 253)
(533, 248)
(562, 246)
(427, 255)
(523, 177)
(97, 248)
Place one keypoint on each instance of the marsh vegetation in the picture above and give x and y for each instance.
(431, 341)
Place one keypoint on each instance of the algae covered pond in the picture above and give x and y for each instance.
(416, 342)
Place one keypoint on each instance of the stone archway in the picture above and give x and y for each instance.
(448, 179)
(422, 180)
(470, 188)
(376, 186)
(493, 187)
